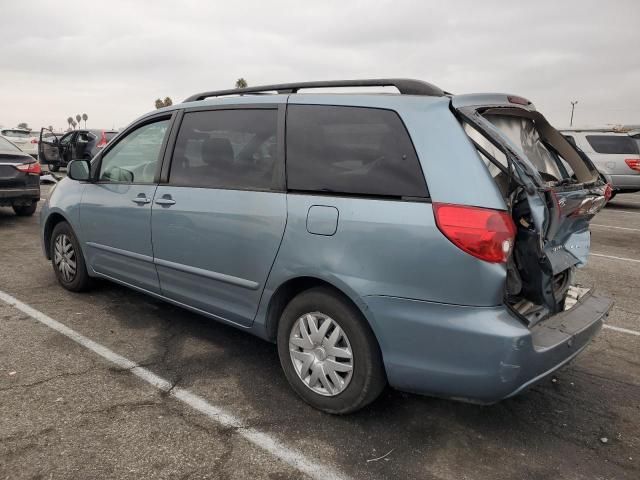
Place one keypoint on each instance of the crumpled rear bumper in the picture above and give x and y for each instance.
(477, 354)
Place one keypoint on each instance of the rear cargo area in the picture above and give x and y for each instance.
(551, 192)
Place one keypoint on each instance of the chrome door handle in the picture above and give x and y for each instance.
(141, 200)
(165, 201)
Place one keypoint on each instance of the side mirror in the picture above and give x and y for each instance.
(79, 170)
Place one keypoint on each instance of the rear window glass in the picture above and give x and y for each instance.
(612, 144)
(232, 149)
(7, 146)
(110, 135)
(16, 133)
(365, 151)
(522, 132)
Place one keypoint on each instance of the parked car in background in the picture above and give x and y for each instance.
(19, 179)
(616, 155)
(23, 139)
(57, 151)
(422, 239)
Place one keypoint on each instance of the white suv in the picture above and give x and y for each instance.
(23, 139)
(615, 154)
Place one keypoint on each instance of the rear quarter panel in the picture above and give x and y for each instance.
(383, 248)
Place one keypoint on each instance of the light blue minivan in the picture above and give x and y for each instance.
(418, 239)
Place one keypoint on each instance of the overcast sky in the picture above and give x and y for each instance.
(112, 59)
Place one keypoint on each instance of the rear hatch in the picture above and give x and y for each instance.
(551, 191)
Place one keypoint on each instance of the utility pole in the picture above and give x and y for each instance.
(573, 106)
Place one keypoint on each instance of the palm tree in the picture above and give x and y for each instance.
(78, 118)
(73, 123)
(241, 83)
(70, 121)
(85, 117)
(168, 102)
(159, 103)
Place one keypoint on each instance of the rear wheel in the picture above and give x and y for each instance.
(328, 352)
(25, 210)
(67, 259)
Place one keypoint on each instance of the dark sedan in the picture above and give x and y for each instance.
(75, 145)
(19, 179)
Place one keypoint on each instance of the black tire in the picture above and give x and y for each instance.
(54, 168)
(25, 210)
(81, 280)
(368, 378)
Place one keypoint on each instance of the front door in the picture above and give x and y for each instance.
(218, 222)
(49, 147)
(115, 215)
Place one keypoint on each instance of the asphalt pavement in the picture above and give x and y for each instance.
(68, 410)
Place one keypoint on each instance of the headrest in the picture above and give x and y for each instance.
(218, 151)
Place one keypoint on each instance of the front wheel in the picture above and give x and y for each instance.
(67, 260)
(328, 352)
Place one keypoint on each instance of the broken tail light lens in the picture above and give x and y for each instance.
(482, 232)
(32, 168)
(633, 164)
(608, 191)
(34, 141)
(103, 141)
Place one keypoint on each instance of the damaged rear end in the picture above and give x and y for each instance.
(551, 193)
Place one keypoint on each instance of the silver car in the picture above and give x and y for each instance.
(614, 153)
(421, 240)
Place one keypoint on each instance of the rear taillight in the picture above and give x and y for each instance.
(34, 140)
(30, 168)
(484, 233)
(633, 164)
(103, 141)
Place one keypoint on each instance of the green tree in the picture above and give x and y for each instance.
(241, 83)
(168, 102)
(159, 103)
(85, 117)
(24, 125)
(69, 121)
(78, 118)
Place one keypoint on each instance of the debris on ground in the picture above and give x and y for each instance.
(383, 456)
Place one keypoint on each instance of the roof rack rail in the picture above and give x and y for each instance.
(405, 86)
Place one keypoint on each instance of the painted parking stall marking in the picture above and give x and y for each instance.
(622, 330)
(613, 257)
(291, 457)
(614, 227)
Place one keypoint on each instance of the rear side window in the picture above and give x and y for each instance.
(353, 150)
(232, 149)
(612, 144)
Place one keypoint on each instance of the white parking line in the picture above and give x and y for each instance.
(617, 228)
(622, 330)
(617, 210)
(613, 257)
(292, 457)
